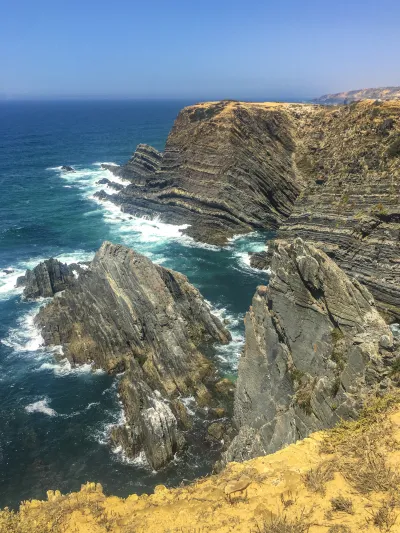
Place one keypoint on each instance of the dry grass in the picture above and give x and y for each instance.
(316, 478)
(384, 518)
(282, 524)
(339, 528)
(342, 504)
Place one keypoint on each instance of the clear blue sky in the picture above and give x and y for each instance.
(197, 49)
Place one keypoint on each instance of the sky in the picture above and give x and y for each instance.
(250, 49)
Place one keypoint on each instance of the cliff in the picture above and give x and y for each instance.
(126, 314)
(228, 168)
(380, 93)
(350, 206)
(315, 349)
(342, 481)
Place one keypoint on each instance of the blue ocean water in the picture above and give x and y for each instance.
(54, 419)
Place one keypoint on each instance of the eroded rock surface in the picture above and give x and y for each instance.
(227, 168)
(48, 278)
(350, 207)
(315, 346)
(127, 314)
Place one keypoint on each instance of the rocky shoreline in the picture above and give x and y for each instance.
(125, 314)
(317, 338)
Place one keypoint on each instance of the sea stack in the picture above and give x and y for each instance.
(126, 314)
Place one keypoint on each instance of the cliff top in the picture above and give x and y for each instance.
(341, 481)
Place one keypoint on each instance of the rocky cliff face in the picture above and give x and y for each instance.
(228, 168)
(127, 314)
(315, 346)
(350, 207)
(380, 93)
(143, 164)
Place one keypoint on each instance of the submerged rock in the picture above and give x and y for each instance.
(125, 313)
(67, 168)
(315, 347)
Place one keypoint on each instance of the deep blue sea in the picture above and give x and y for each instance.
(54, 419)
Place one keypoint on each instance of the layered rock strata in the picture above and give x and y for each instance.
(143, 164)
(227, 168)
(350, 207)
(48, 278)
(316, 346)
(126, 314)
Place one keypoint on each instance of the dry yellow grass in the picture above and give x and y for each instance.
(341, 481)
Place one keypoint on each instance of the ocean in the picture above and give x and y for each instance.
(55, 419)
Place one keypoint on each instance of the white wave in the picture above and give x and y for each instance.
(111, 163)
(54, 168)
(41, 406)
(26, 337)
(64, 368)
(8, 282)
(230, 353)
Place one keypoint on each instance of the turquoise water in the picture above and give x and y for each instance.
(54, 419)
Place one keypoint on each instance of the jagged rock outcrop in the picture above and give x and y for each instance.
(227, 168)
(68, 168)
(48, 278)
(350, 207)
(259, 260)
(144, 163)
(125, 313)
(315, 347)
(380, 93)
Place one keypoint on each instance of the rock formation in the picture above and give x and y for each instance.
(227, 168)
(315, 347)
(330, 175)
(143, 164)
(126, 314)
(67, 168)
(48, 278)
(350, 207)
(259, 260)
(381, 93)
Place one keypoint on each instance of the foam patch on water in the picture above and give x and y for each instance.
(41, 406)
(64, 368)
(26, 337)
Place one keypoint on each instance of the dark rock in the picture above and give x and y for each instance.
(312, 352)
(46, 279)
(67, 168)
(125, 313)
(227, 168)
(142, 166)
(259, 260)
(8, 270)
(112, 184)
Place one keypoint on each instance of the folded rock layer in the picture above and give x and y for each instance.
(125, 313)
(227, 168)
(315, 347)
